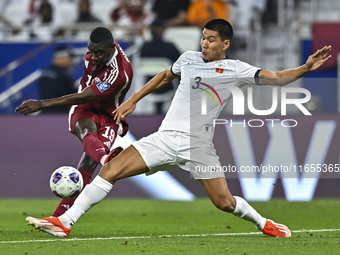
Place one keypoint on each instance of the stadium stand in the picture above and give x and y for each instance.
(273, 44)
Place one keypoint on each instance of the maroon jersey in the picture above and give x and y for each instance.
(110, 82)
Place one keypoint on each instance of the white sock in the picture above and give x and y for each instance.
(92, 194)
(244, 211)
(102, 160)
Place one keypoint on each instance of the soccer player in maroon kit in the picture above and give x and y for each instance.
(106, 79)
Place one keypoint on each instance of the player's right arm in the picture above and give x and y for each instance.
(154, 84)
(30, 106)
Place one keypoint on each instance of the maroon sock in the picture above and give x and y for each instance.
(93, 147)
(66, 204)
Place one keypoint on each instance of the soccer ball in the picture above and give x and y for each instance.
(66, 182)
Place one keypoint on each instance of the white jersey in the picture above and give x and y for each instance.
(200, 97)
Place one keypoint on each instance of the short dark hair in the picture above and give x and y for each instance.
(101, 35)
(222, 27)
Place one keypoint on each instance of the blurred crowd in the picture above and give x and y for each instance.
(139, 23)
(46, 20)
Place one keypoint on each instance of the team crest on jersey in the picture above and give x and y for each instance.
(102, 86)
(96, 80)
(221, 65)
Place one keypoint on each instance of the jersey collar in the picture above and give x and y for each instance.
(113, 57)
(205, 61)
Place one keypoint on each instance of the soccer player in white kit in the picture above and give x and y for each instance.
(184, 138)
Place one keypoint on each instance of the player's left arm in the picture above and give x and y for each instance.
(157, 82)
(289, 75)
(29, 106)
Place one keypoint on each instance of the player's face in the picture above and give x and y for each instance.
(100, 53)
(213, 48)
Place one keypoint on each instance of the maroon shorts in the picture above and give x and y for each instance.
(107, 129)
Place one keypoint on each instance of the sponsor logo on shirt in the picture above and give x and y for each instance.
(102, 86)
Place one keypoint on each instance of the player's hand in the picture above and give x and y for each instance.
(29, 106)
(318, 58)
(124, 110)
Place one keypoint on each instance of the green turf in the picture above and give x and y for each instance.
(153, 220)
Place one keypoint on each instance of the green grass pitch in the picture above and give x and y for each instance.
(145, 226)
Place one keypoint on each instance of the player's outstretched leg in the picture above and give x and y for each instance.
(94, 147)
(268, 227)
(51, 225)
(221, 197)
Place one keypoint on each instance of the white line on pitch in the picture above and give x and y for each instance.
(161, 236)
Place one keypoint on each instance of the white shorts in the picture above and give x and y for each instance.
(165, 150)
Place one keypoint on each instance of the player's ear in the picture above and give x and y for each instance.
(226, 44)
(113, 47)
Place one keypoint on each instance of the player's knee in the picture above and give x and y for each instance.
(225, 204)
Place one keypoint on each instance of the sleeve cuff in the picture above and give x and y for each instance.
(256, 76)
(173, 71)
